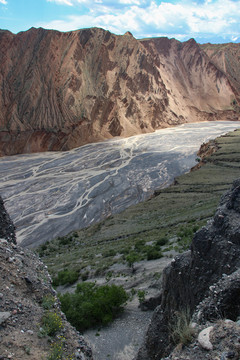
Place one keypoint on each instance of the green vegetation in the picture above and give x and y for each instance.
(48, 301)
(93, 305)
(141, 296)
(58, 352)
(161, 226)
(51, 323)
(181, 329)
(65, 277)
(131, 259)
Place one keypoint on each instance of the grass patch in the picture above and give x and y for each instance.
(181, 329)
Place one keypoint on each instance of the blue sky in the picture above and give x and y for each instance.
(215, 21)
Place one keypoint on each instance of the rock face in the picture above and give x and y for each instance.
(62, 90)
(7, 229)
(226, 57)
(210, 271)
(26, 297)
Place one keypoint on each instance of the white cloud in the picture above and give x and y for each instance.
(62, 2)
(4, 2)
(183, 18)
(129, 2)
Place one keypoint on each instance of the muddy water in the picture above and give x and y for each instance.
(50, 194)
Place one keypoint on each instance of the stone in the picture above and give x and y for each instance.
(203, 338)
(4, 316)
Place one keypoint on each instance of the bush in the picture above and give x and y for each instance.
(109, 253)
(65, 240)
(139, 245)
(162, 241)
(181, 329)
(51, 323)
(93, 305)
(65, 277)
(153, 254)
(131, 259)
(141, 295)
(56, 352)
(48, 302)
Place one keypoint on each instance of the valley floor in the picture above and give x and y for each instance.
(163, 225)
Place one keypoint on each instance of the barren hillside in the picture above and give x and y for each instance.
(62, 90)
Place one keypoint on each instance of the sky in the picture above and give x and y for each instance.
(215, 21)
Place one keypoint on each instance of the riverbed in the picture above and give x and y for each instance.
(50, 194)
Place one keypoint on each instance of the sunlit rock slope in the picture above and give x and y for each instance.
(62, 90)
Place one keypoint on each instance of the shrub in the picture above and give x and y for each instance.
(65, 240)
(153, 254)
(141, 295)
(162, 241)
(139, 245)
(109, 253)
(131, 259)
(51, 323)
(93, 305)
(56, 351)
(181, 330)
(84, 276)
(65, 277)
(48, 302)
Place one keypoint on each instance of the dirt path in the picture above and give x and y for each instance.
(122, 339)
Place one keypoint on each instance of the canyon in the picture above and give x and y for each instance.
(63, 90)
(83, 95)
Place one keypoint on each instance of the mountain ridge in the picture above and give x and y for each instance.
(63, 90)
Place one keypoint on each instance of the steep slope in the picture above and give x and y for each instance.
(31, 323)
(214, 255)
(227, 58)
(62, 90)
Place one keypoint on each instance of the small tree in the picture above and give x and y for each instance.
(131, 259)
(141, 296)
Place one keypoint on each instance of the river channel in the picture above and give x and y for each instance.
(49, 194)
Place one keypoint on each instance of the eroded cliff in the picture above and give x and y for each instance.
(62, 90)
(207, 275)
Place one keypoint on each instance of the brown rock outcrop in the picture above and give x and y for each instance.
(62, 90)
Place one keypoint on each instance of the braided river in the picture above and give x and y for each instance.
(50, 194)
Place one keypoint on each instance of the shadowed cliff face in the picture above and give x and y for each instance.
(62, 90)
(204, 276)
(7, 229)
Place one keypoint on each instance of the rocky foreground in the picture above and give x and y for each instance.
(63, 90)
(32, 325)
(205, 283)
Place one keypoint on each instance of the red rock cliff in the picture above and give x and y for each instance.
(62, 90)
